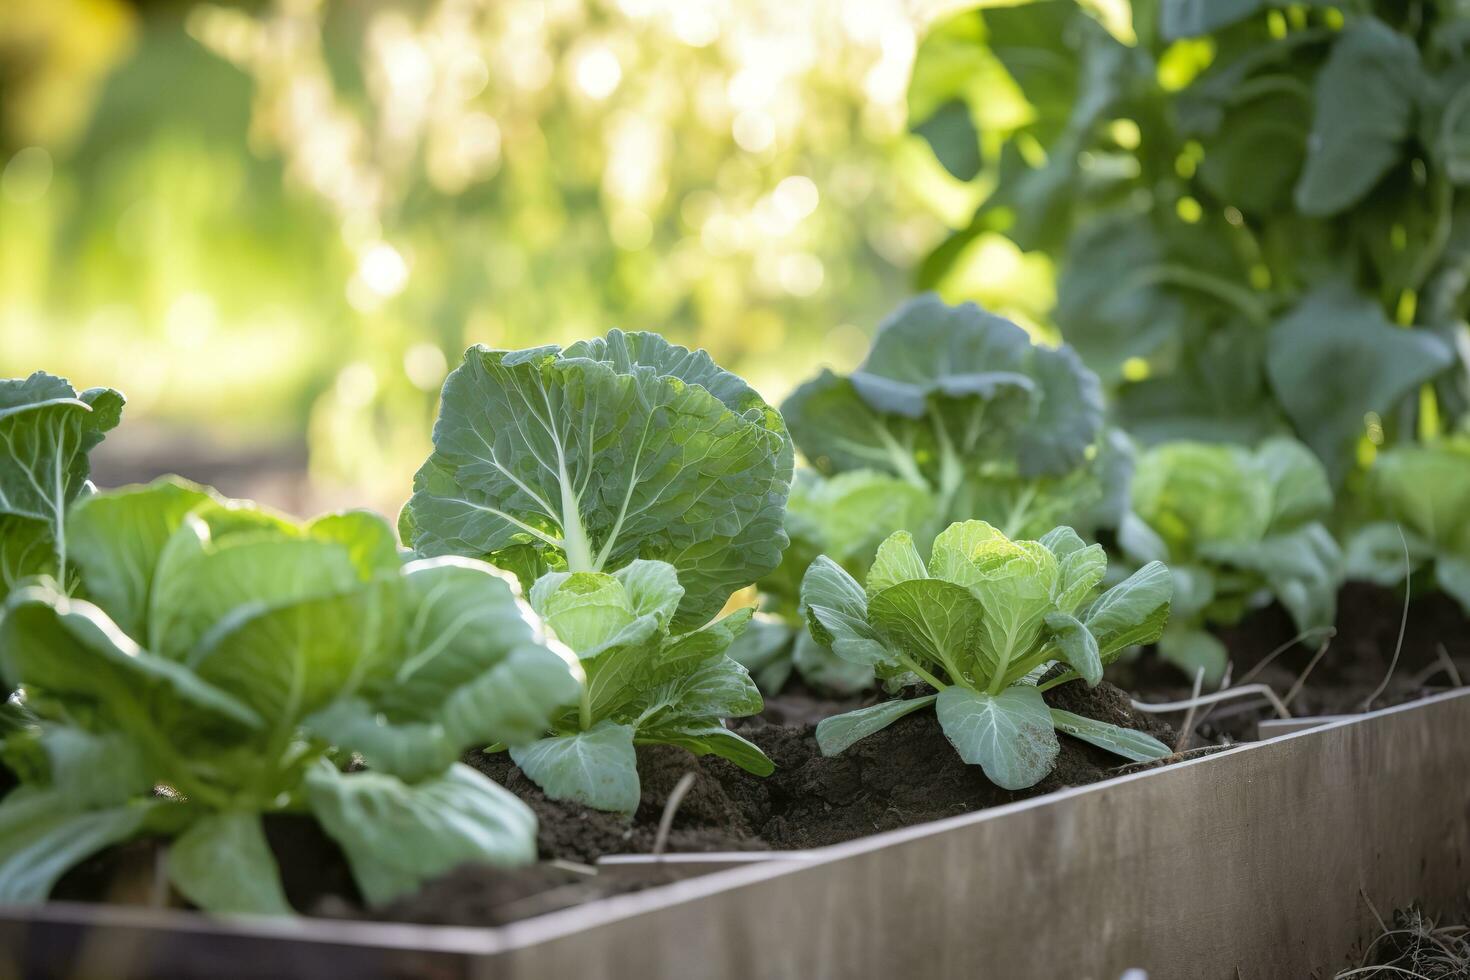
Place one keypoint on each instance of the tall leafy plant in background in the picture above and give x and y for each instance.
(633, 485)
(1246, 205)
(229, 663)
(961, 405)
(980, 623)
(46, 430)
(1237, 528)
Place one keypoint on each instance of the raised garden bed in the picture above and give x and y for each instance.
(1255, 860)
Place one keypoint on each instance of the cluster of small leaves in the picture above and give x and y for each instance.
(46, 430)
(960, 404)
(214, 663)
(644, 686)
(980, 623)
(1236, 528)
(1245, 204)
(1420, 496)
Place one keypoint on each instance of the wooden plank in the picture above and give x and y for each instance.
(1249, 861)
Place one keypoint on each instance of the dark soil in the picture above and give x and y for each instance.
(1357, 660)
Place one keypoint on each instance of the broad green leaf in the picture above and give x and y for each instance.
(897, 561)
(287, 661)
(1129, 743)
(585, 609)
(410, 750)
(1191, 18)
(223, 864)
(1082, 567)
(91, 770)
(611, 450)
(1427, 487)
(718, 689)
(398, 835)
(1192, 650)
(117, 538)
(765, 649)
(641, 659)
(837, 614)
(652, 588)
(1075, 646)
(1366, 96)
(46, 430)
(41, 838)
(839, 432)
(1194, 492)
(1336, 357)
(848, 514)
(1132, 612)
(938, 623)
(1009, 735)
(714, 740)
(1300, 490)
(1452, 572)
(950, 132)
(461, 619)
(1195, 586)
(1384, 553)
(69, 648)
(963, 550)
(1303, 569)
(597, 768)
(514, 702)
(835, 734)
(1015, 593)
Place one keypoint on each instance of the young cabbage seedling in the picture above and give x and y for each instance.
(1235, 528)
(960, 404)
(228, 664)
(979, 624)
(634, 486)
(644, 685)
(1422, 494)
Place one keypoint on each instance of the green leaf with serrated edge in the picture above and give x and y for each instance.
(398, 835)
(897, 561)
(837, 614)
(615, 449)
(937, 623)
(41, 838)
(46, 430)
(117, 539)
(1132, 612)
(1365, 98)
(597, 768)
(68, 648)
(224, 865)
(713, 740)
(1129, 743)
(1192, 650)
(1009, 735)
(836, 733)
(1075, 646)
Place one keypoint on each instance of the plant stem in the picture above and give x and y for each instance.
(1060, 679)
(928, 678)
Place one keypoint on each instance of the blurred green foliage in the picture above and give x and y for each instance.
(287, 220)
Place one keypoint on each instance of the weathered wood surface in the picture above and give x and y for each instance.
(1249, 864)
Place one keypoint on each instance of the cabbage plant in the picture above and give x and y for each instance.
(980, 623)
(960, 404)
(1237, 527)
(47, 428)
(634, 486)
(1422, 494)
(617, 448)
(228, 664)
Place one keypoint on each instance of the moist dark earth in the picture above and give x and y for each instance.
(904, 775)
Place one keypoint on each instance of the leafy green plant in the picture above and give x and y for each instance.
(228, 664)
(1245, 204)
(844, 517)
(644, 685)
(1234, 526)
(635, 486)
(1422, 495)
(584, 459)
(47, 428)
(980, 623)
(961, 405)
